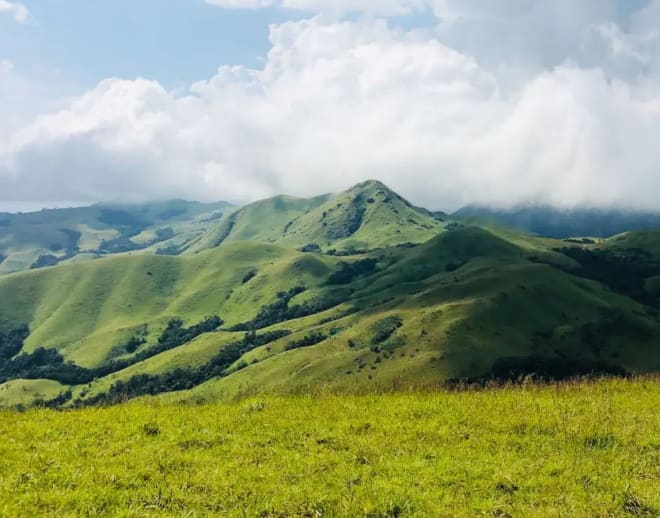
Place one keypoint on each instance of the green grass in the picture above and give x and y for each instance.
(380, 218)
(85, 309)
(365, 217)
(574, 449)
(25, 237)
(466, 298)
(24, 392)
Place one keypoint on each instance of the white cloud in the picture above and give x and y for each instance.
(17, 10)
(381, 7)
(338, 102)
(241, 4)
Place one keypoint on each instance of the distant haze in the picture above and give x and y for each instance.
(449, 102)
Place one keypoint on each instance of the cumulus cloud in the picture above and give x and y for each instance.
(336, 102)
(15, 9)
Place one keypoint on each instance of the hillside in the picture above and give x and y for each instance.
(367, 216)
(249, 317)
(48, 237)
(550, 222)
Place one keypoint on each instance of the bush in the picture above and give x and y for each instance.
(11, 343)
(310, 247)
(184, 378)
(549, 368)
(274, 313)
(384, 328)
(625, 273)
(249, 276)
(134, 343)
(44, 261)
(350, 271)
(313, 338)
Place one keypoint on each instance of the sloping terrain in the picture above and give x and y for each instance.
(262, 221)
(466, 304)
(249, 316)
(550, 222)
(48, 237)
(367, 216)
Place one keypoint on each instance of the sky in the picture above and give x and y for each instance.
(449, 102)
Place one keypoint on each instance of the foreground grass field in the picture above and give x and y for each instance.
(575, 449)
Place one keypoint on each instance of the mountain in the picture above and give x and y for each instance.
(49, 237)
(367, 216)
(550, 222)
(294, 295)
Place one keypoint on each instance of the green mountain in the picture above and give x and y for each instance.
(278, 302)
(365, 217)
(49, 237)
(550, 222)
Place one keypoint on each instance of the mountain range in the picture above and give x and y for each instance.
(350, 292)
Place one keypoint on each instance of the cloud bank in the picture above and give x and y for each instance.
(548, 102)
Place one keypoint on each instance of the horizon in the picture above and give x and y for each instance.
(35, 207)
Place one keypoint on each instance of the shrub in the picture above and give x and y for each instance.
(349, 271)
(249, 276)
(11, 343)
(384, 328)
(310, 247)
(315, 337)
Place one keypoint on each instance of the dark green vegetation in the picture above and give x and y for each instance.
(572, 449)
(549, 222)
(358, 291)
(624, 270)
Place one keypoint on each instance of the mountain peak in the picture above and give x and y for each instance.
(369, 185)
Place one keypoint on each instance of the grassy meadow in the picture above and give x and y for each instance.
(569, 449)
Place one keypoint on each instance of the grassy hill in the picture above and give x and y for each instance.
(463, 305)
(249, 316)
(48, 237)
(367, 216)
(551, 222)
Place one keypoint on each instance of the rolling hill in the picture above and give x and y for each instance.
(350, 292)
(551, 222)
(49, 237)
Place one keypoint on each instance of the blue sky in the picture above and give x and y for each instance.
(174, 41)
(448, 101)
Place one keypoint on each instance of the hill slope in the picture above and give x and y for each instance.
(550, 222)
(49, 237)
(367, 216)
(465, 304)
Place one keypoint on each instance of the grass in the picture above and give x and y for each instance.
(26, 236)
(24, 392)
(572, 449)
(456, 322)
(85, 309)
(467, 297)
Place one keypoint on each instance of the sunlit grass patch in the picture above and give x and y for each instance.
(588, 449)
